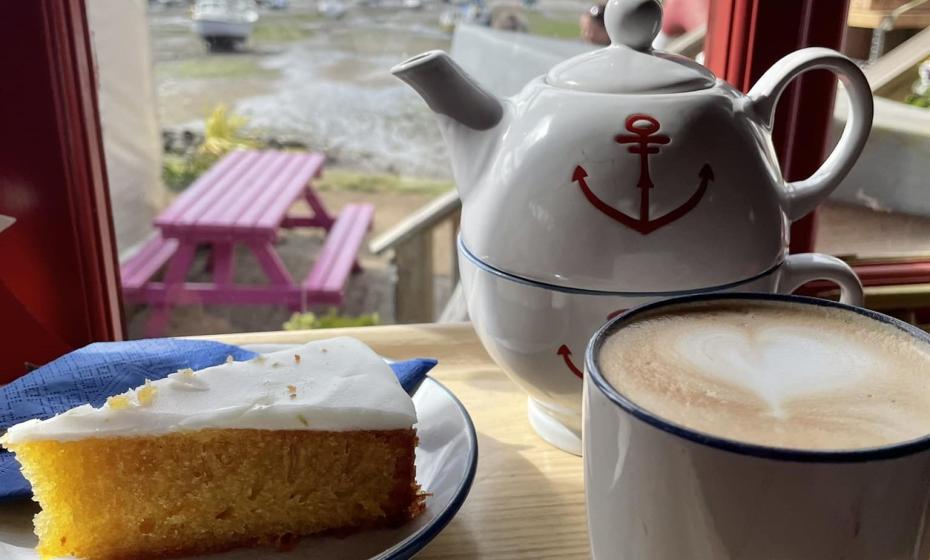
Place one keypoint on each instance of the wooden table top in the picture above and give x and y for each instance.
(247, 194)
(527, 501)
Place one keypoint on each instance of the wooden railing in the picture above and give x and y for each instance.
(895, 66)
(688, 44)
(884, 19)
(411, 245)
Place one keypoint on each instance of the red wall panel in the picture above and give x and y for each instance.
(58, 270)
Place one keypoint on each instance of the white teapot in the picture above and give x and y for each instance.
(627, 174)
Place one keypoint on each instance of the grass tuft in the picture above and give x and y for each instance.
(564, 27)
(215, 67)
(345, 180)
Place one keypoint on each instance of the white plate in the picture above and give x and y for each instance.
(446, 461)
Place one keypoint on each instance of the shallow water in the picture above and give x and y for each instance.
(335, 90)
(331, 90)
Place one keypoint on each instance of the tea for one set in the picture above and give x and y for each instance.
(623, 176)
(626, 176)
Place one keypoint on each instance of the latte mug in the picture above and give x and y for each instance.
(692, 451)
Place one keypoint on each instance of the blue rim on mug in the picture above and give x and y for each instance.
(594, 375)
(466, 252)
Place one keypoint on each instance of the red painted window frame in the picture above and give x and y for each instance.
(59, 284)
(744, 39)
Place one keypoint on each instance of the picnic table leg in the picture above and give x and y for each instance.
(175, 276)
(357, 266)
(320, 214)
(274, 268)
(320, 217)
(223, 263)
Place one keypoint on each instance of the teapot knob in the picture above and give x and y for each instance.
(634, 23)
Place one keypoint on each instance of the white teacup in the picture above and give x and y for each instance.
(538, 332)
(659, 489)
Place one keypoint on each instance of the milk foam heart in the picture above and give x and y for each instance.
(777, 363)
(775, 373)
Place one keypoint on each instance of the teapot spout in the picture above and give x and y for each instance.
(449, 91)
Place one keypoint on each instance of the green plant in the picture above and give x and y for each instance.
(222, 134)
(920, 91)
(178, 172)
(331, 320)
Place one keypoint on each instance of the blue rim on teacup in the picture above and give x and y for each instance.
(594, 375)
(588, 292)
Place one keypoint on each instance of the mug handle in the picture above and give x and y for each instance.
(803, 196)
(802, 268)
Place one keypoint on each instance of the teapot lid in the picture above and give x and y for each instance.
(629, 65)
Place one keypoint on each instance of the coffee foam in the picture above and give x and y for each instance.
(774, 373)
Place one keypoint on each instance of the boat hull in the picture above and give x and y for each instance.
(208, 29)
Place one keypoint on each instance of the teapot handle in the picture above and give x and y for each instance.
(803, 196)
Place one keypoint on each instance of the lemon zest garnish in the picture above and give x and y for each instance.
(146, 394)
(119, 402)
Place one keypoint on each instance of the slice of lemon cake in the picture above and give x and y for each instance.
(320, 438)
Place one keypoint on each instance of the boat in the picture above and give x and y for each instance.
(224, 24)
(506, 16)
(474, 12)
(332, 9)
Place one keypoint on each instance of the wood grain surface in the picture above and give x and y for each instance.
(527, 501)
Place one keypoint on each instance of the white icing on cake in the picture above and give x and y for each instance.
(338, 384)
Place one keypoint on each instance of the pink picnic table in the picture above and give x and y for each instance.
(245, 199)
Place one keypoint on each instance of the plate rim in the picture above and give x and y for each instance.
(414, 543)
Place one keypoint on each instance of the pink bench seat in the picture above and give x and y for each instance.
(327, 280)
(138, 269)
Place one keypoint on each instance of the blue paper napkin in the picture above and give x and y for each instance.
(104, 369)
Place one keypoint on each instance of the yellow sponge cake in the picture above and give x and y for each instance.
(245, 453)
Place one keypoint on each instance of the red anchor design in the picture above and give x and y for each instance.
(645, 141)
(566, 352)
(567, 356)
